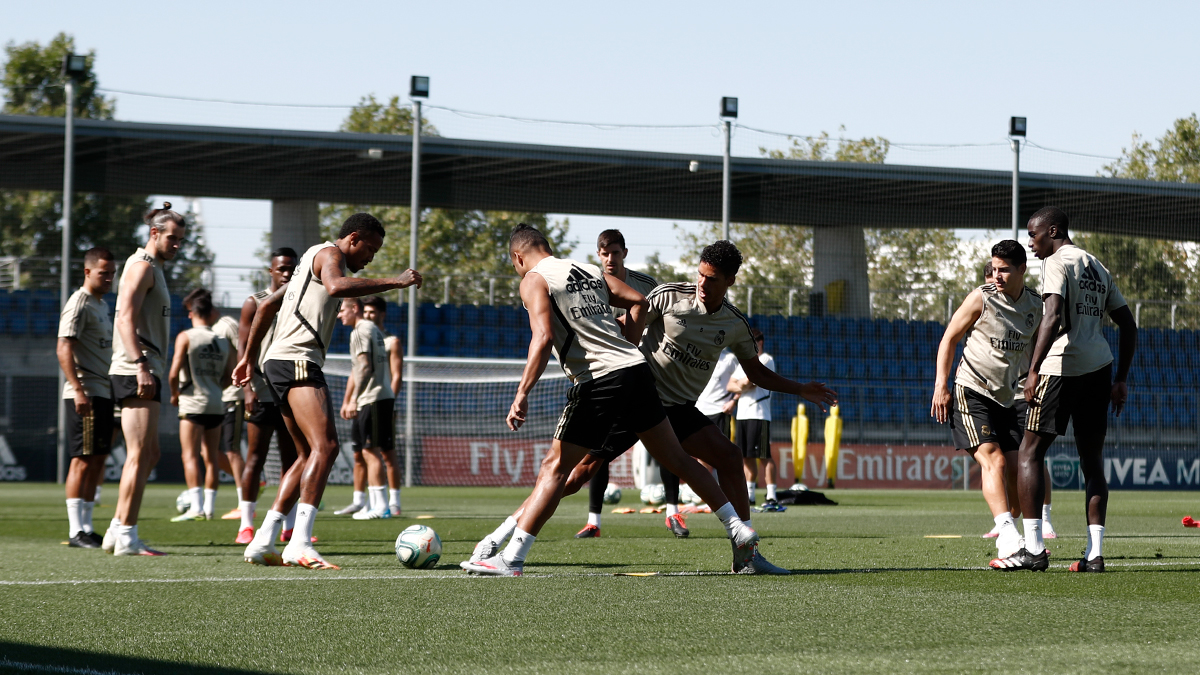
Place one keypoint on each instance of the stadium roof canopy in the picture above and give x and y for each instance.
(138, 158)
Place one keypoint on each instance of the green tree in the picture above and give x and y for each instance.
(468, 245)
(1155, 270)
(30, 220)
(663, 272)
(914, 271)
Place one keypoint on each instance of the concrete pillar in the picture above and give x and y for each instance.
(840, 255)
(295, 223)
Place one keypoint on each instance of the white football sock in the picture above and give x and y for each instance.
(270, 528)
(672, 509)
(86, 523)
(247, 509)
(96, 497)
(239, 494)
(594, 519)
(114, 523)
(1033, 535)
(1046, 512)
(506, 528)
(394, 500)
(302, 534)
(378, 498)
(196, 497)
(1004, 519)
(770, 491)
(729, 518)
(518, 548)
(360, 498)
(289, 521)
(750, 489)
(126, 535)
(1095, 547)
(74, 516)
(210, 501)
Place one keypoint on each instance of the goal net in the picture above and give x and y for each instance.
(459, 433)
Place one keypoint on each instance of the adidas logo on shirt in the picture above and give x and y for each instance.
(1090, 280)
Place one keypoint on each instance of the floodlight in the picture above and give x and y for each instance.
(1016, 126)
(419, 86)
(371, 153)
(693, 166)
(74, 65)
(728, 106)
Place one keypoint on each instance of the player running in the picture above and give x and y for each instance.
(1070, 381)
(143, 326)
(369, 404)
(200, 370)
(999, 321)
(84, 353)
(610, 248)
(307, 309)
(263, 417)
(680, 353)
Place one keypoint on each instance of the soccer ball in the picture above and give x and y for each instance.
(688, 496)
(612, 494)
(654, 494)
(418, 547)
(183, 502)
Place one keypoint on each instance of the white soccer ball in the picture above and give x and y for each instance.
(418, 547)
(654, 494)
(688, 496)
(612, 494)
(183, 502)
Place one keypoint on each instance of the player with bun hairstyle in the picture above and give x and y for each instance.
(142, 329)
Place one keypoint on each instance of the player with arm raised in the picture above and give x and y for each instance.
(998, 321)
(139, 362)
(307, 309)
(687, 327)
(570, 314)
(1070, 381)
(263, 417)
(200, 369)
(84, 353)
(610, 247)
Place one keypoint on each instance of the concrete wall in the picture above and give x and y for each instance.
(295, 223)
(840, 254)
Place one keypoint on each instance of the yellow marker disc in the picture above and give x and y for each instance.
(425, 516)
(635, 574)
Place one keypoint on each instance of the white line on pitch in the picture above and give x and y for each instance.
(534, 575)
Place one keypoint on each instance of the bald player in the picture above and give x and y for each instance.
(139, 363)
(307, 309)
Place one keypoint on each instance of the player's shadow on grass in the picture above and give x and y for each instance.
(22, 658)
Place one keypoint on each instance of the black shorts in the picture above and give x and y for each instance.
(125, 386)
(232, 425)
(754, 438)
(1080, 399)
(267, 416)
(976, 419)
(724, 423)
(284, 375)
(206, 421)
(90, 434)
(622, 401)
(685, 420)
(374, 427)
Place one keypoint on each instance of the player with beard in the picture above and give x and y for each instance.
(307, 309)
(1070, 382)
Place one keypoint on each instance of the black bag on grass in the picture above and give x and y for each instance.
(802, 497)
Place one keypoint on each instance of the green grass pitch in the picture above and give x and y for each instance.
(871, 593)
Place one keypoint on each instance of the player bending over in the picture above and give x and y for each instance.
(84, 355)
(987, 410)
(307, 309)
(1070, 381)
(200, 370)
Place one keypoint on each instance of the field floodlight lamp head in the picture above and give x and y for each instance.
(74, 66)
(728, 106)
(1016, 126)
(419, 87)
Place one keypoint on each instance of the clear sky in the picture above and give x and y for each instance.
(1086, 74)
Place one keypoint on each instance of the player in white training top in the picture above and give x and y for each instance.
(1070, 382)
(307, 309)
(570, 313)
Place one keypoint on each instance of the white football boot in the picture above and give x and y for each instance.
(495, 567)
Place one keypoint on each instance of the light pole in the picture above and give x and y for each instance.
(74, 66)
(729, 111)
(1016, 128)
(418, 89)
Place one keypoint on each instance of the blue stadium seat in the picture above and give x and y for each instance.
(451, 315)
(452, 337)
(822, 367)
(468, 315)
(429, 315)
(892, 370)
(430, 336)
(859, 369)
(837, 349)
(44, 324)
(909, 370)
